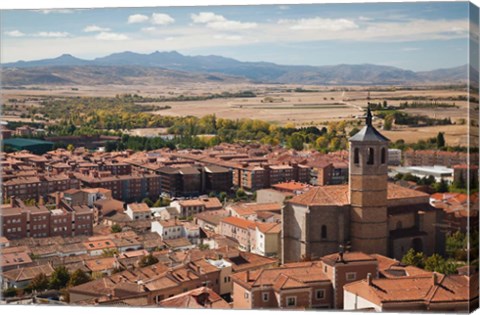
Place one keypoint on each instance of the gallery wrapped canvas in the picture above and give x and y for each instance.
(317, 156)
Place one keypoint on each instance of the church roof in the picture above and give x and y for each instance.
(368, 133)
(338, 195)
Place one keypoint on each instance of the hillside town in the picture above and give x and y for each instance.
(238, 226)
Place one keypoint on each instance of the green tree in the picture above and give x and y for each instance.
(109, 252)
(438, 264)
(70, 147)
(456, 244)
(295, 141)
(241, 194)
(78, 277)
(441, 186)
(440, 140)
(148, 260)
(413, 258)
(148, 201)
(39, 282)
(388, 122)
(354, 131)
(59, 278)
(116, 228)
(222, 196)
(9, 292)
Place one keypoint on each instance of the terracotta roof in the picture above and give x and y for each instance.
(422, 288)
(346, 258)
(139, 207)
(14, 259)
(338, 195)
(291, 186)
(27, 273)
(191, 203)
(284, 277)
(101, 264)
(239, 222)
(202, 297)
(245, 209)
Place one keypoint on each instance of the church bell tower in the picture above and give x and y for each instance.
(368, 190)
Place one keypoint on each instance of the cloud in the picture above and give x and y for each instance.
(52, 34)
(14, 33)
(228, 37)
(162, 19)
(60, 11)
(95, 28)
(148, 29)
(206, 17)
(319, 23)
(219, 22)
(111, 36)
(137, 18)
(364, 18)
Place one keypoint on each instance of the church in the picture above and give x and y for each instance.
(369, 214)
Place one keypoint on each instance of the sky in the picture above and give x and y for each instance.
(417, 36)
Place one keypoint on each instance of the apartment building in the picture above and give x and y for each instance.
(20, 221)
(38, 186)
(436, 157)
(257, 237)
(124, 187)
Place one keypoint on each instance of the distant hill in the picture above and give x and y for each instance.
(104, 75)
(182, 67)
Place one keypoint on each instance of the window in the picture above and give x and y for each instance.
(384, 155)
(320, 294)
(246, 295)
(356, 156)
(325, 269)
(265, 296)
(324, 232)
(370, 159)
(399, 225)
(291, 301)
(351, 276)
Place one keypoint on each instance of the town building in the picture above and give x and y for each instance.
(138, 211)
(433, 293)
(370, 214)
(20, 221)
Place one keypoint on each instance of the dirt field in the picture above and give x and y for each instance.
(454, 134)
(281, 104)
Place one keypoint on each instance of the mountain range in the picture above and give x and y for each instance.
(130, 67)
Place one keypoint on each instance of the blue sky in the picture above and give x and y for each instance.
(415, 36)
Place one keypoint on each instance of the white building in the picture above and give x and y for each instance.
(138, 211)
(394, 156)
(437, 171)
(174, 229)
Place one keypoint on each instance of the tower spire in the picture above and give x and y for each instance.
(369, 116)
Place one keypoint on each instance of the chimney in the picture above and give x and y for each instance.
(12, 201)
(369, 279)
(41, 201)
(248, 275)
(57, 198)
(435, 278)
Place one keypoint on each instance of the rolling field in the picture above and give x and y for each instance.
(282, 104)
